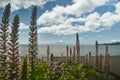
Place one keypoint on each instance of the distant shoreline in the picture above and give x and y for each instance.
(114, 43)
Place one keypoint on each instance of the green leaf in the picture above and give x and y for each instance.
(79, 67)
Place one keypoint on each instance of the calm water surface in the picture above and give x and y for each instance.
(61, 49)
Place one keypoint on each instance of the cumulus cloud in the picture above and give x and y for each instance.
(18, 4)
(62, 29)
(117, 8)
(108, 19)
(60, 13)
(23, 26)
(58, 21)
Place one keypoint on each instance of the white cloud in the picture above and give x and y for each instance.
(62, 29)
(58, 22)
(93, 17)
(18, 4)
(60, 41)
(57, 13)
(92, 25)
(81, 6)
(23, 26)
(108, 19)
(117, 8)
(50, 18)
(115, 40)
(60, 13)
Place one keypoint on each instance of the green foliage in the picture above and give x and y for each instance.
(72, 72)
(79, 67)
(68, 72)
(42, 72)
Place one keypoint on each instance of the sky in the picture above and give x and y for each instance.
(59, 20)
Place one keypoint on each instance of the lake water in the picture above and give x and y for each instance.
(61, 49)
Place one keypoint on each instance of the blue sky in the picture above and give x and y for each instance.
(59, 20)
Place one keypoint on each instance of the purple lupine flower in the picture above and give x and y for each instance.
(67, 54)
(77, 48)
(74, 54)
(48, 52)
(33, 43)
(70, 54)
(101, 61)
(51, 62)
(106, 64)
(3, 42)
(96, 56)
(89, 59)
(13, 52)
(24, 69)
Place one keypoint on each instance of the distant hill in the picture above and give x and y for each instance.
(114, 43)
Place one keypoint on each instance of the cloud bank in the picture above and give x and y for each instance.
(70, 19)
(59, 20)
(18, 4)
